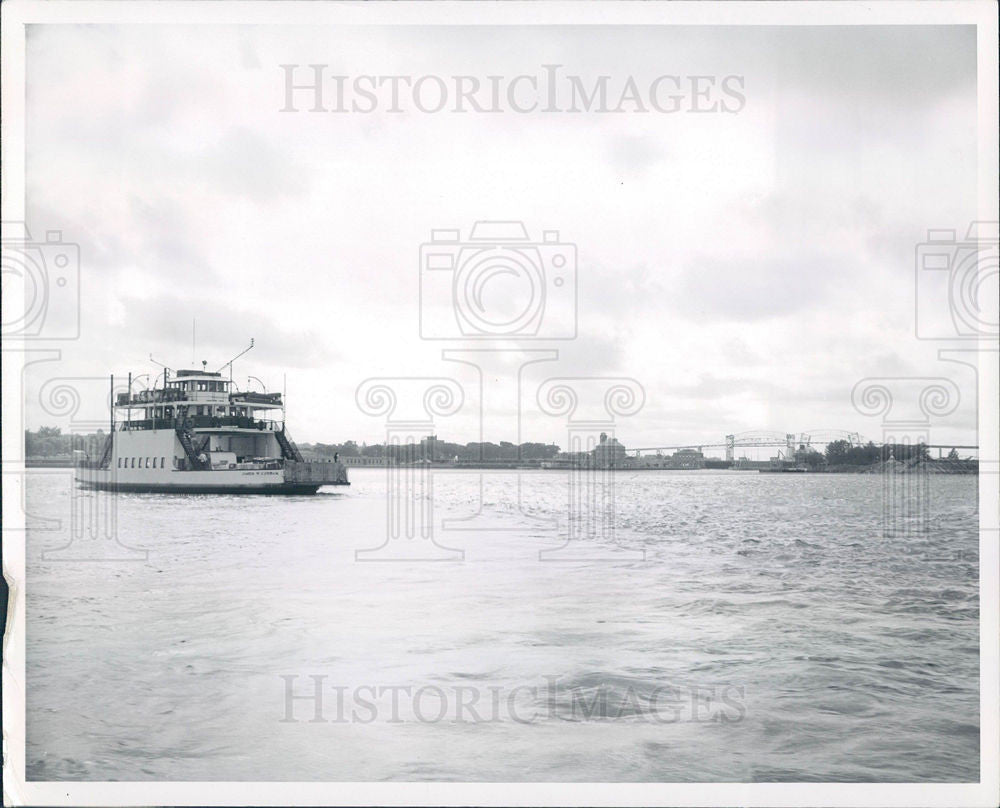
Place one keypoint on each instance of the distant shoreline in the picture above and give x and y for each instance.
(63, 463)
(930, 467)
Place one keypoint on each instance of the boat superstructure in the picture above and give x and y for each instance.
(196, 433)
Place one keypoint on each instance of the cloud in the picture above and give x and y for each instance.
(222, 331)
(747, 269)
(632, 155)
(244, 164)
(748, 288)
(894, 67)
(611, 293)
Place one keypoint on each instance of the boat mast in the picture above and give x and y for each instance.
(166, 370)
(230, 362)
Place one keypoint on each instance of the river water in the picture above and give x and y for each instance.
(734, 627)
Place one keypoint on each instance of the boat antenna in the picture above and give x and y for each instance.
(230, 362)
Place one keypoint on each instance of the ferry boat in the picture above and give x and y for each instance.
(197, 434)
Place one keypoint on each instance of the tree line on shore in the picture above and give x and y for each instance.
(838, 453)
(49, 441)
(436, 450)
(843, 453)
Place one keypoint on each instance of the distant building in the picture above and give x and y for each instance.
(609, 453)
(567, 460)
(363, 461)
(657, 461)
(688, 459)
(681, 459)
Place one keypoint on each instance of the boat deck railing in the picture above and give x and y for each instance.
(273, 399)
(143, 397)
(203, 422)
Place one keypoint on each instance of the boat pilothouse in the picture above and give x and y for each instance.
(197, 433)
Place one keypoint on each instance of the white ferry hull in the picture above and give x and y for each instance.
(167, 481)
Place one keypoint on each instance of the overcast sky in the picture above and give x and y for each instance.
(747, 268)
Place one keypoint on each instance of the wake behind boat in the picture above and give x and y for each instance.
(197, 434)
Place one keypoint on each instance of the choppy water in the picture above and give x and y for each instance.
(771, 633)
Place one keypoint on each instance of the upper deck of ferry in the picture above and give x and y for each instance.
(200, 400)
(201, 392)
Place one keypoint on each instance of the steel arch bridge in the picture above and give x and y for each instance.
(822, 437)
(759, 438)
(763, 438)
